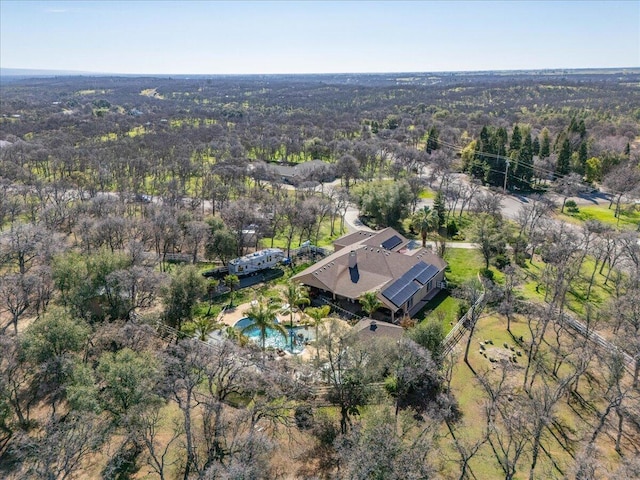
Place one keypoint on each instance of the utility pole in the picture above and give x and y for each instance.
(506, 170)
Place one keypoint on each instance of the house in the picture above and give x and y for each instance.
(367, 330)
(314, 170)
(402, 273)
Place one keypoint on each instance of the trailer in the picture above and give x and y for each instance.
(255, 262)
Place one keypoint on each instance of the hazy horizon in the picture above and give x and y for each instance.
(11, 71)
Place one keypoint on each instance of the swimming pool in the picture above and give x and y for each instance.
(275, 339)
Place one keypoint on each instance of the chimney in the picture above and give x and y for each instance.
(353, 259)
(373, 326)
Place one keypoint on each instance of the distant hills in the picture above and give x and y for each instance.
(31, 72)
(19, 73)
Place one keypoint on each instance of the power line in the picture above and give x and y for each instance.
(459, 149)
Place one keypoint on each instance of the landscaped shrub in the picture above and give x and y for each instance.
(571, 206)
(452, 228)
(486, 273)
(501, 261)
(463, 308)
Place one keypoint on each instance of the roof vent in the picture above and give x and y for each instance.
(373, 326)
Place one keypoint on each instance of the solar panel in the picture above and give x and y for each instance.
(404, 287)
(422, 272)
(401, 290)
(427, 274)
(393, 289)
(405, 294)
(391, 243)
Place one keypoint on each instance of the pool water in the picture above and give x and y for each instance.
(275, 339)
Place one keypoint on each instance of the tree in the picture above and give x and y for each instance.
(439, 207)
(25, 243)
(384, 446)
(545, 144)
(50, 344)
(231, 282)
(347, 169)
(386, 204)
(130, 380)
(59, 451)
(429, 335)
(345, 373)
(185, 289)
(568, 186)
(516, 140)
(432, 140)
(622, 180)
(412, 378)
(425, 221)
(563, 167)
(17, 294)
(507, 305)
(370, 302)
(296, 295)
(318, 314)
(489, 237)
(197, 235)
(472, 292)
(263, 316)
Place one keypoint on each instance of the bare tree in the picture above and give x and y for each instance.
(17, 294)
(58, 453)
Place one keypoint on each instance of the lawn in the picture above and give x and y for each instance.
(443, 307)
(577, 300)
(324, 238)
(629, 217)
(465, 264)
(427, 194)
(571, 420)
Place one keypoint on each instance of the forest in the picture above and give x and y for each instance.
(119, 196)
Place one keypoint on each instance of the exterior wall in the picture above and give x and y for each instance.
(423, 292)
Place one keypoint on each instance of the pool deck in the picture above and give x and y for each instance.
(230, 316)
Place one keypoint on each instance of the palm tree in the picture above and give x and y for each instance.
(369, 302)
(237, 336)
(203, 327)
(425, 221)
(318, 314)
(231, 281)
(296, 295)
(211, 289)
(263, 313)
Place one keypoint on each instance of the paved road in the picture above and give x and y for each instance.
(511, 204)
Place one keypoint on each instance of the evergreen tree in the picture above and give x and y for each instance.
(523, 171)
(582, 129)
(432, 140)
(500, 141)
(574, 126)
(439, 207)
(497, 164)
(583, 155)
(564, 158)
(545, 144)
(480, 167)
(535, 146)
(516, 140)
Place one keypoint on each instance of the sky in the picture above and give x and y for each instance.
(239, 37)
